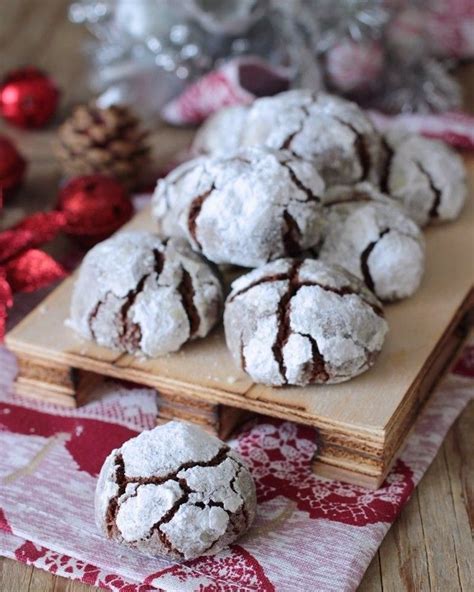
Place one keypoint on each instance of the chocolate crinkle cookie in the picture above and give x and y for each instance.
(426, 176)
(302, 321)
(331, 132)
(246, 208)
(371, 236)
(138, 294)
(221, 132)
(175, 491)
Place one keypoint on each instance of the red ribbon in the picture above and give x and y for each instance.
(23, 267)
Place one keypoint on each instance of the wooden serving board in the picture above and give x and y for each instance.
(362, 423)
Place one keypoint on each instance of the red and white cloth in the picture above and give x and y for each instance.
(310, 533)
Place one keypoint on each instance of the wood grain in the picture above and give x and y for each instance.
(401, 564)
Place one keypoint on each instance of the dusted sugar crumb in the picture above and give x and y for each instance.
(138, 294)
(371, 236)
(300, 322)
(244, 209)
(175, 491)
(427, 176)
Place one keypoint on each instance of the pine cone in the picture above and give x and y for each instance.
(107, 141)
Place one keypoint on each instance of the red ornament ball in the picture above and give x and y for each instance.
(12, 166)
(95, 207)
(28, 97)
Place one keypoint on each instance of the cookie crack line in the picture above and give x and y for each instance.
(187, 293)
(265, 280)
(214, 462)
(195, 210)
(93, 315)
(287, 143)
(296, 181)
(168, 516)
(318, 368)
(364, 261)
(131, 332)
(122, 482)
(433, 213)
(243, 361)
(291, 234)
(343, 291)
(385, 173)
(360, 146)
(283, 319)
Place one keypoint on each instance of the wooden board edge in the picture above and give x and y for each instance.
(342, 464)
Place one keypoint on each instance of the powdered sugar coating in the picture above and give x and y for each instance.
(300, 322)
(331, 132)
(137, 294)
(221, 132)
(426, 176)
(176, 491)
(245, 209)
(372, 237)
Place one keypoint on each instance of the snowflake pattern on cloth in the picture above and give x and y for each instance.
(310, 533)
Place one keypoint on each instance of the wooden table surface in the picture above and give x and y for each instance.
(430, 547)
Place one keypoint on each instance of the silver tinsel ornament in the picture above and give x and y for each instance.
(148, 50)
(422, 87)
(373, 51)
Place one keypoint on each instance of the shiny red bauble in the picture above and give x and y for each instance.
(12, 167)
(28, 97)
(95, 207)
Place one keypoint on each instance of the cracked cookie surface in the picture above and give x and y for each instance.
(221, 132)
(246, 208)
(368, 234)
(426, 176)
(138, 294)
(175, 491)
(333, 133)
(299, 322)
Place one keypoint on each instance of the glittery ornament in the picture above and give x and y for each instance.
(24, 268)
(95, 206)
(421, 87)
(12, 167)
(354, 19)
(28, 97)
(354, 66)
(151, 54)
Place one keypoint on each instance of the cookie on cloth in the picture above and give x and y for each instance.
(368, 234)
(137, 294)
(245, 209)
(427, 176)
(331, 132)
(175, 491)
(303, 321)
(221, 132)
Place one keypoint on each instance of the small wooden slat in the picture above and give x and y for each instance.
(453, 547)
(45, 582)
(460, 464)
(372, 581)
(14, 576)
(412, 556)
(404, 541)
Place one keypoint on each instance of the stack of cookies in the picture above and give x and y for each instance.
(325, 213)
